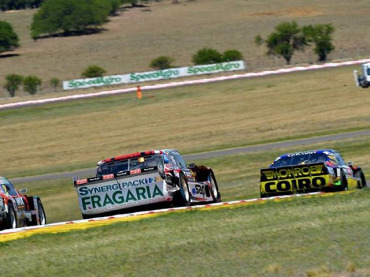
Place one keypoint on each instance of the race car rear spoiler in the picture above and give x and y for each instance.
(78, 182)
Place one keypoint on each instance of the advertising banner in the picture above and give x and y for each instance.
(154, 75)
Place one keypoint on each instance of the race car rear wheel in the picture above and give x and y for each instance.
(214, 188)
(360, 175)
(11, 221)
(182, 198)
(343, 181)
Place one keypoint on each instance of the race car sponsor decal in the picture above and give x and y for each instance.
(118, 193)
(301, 153)
(295, 184)
(198, 189)
(108, 176)
(135, 171)
(120, 197)
(300, 177)
(292, 172)
(140, 181)
(92, 179)
(81, 182)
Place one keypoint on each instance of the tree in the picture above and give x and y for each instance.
(54, 82)
(69, 15)
(19, 4)
(93, 71)
(115, 4)
(286, 39)
(31, 84)
(232, 55)
(207, 56)
(162, 62)
(8, 38)
(320, 35)
(12, 83)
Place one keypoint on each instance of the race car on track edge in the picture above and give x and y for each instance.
(310, 171)
(136, 180)
(17, 209)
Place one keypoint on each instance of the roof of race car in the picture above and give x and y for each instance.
(137, 154)
(324, 151)
(295, 158)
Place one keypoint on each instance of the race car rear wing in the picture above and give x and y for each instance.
(78, 182)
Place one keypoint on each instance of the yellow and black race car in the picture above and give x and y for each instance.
(310, 171)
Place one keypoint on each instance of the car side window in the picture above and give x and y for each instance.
(339, 159)
(179, 160)
(2, 188)
(8, 187)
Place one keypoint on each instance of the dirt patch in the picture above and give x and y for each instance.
(295, 12)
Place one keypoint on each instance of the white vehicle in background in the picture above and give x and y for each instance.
(363, 79)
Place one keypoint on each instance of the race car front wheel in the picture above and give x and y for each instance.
(11, 221)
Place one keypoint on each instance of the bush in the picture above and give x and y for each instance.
(12, 83)
(232, 55)
(162, 62)
(93, 71)
(54, 82)
(31, 84)
(207, 56)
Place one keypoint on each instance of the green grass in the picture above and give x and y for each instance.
(237, 176)
(75, 135)
(133, 39)
(317, 236)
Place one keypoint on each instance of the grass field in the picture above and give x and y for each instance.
(75, 135)
(317, 236)
(131, 40)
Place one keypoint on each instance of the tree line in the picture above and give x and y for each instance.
(6, 5)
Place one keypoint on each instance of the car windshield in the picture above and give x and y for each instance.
(296, 159)
(129, 164)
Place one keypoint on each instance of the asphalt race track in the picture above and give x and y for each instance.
(206, 155)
